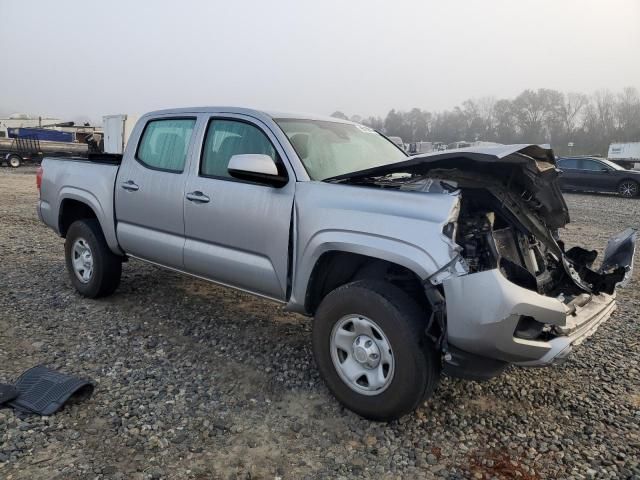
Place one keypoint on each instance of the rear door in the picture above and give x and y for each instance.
(597, 176)
(149, 192)
(237, 232)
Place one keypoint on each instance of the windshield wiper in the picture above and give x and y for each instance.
(387, 179)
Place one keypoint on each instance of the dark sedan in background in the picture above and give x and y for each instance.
(594, 174)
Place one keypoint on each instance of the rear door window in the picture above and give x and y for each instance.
(164, 144)
(591, 165)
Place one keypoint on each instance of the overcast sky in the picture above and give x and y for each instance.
(69, 58)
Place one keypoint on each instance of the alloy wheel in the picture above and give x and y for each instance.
(628, 189)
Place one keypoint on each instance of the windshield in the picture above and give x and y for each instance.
(329, 149)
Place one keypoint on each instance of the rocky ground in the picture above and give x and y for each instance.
(198, 381)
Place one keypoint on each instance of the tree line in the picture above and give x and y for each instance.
(590, 122)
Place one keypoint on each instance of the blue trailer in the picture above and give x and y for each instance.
(41, 134)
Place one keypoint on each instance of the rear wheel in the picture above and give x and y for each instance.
(628, 188)
(371, 349)
(93, 268)
(14, 161)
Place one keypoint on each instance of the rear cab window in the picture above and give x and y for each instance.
(164, 144)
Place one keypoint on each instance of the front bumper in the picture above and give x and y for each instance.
(484, 308)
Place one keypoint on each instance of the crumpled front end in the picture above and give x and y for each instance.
(489, 316)
(513, 291)
(526, 298)
(525, 301)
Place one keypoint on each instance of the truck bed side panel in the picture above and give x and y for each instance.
(84, 181)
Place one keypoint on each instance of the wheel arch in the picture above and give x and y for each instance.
(411, 257)
(77, 204)
(72, 210)
(334, 268)
(629, 179)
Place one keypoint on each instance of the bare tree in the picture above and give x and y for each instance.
(376, 123)
(628, 114)
(418, 124)
(605, 104)
(540, 116)
(487, 111)
(530, 112)
(570, 110)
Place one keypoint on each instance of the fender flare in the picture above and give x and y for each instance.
(105, 218)
(379, 247)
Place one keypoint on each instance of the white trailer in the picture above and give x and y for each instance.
(117, 129)
(626, 154)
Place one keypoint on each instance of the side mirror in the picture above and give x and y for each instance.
(256, 167)
(604, 169)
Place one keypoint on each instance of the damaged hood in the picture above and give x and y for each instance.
(527, 171)
(523, 180)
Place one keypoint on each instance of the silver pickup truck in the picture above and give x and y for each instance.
(410, 266)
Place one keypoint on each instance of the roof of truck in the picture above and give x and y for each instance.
(246, 111)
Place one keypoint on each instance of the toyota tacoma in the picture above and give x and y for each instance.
(410, 266)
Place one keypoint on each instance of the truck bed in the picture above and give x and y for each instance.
(78, 179)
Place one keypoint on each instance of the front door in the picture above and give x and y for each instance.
(237, 232)
(149, 192)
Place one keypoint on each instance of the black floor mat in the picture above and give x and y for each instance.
(44, 391)
(7, 393)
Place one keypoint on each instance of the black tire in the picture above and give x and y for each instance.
(106, 266)
(629, 188)
(14, 161)
(402, 321)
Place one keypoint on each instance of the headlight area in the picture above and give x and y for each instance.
(508, 294)
(492, 238)
(509, 236)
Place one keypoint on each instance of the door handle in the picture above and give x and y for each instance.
(197, 197)
(130, 185)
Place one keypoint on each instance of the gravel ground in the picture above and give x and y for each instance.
(198, 381)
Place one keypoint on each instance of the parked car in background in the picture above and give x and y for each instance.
(597, 175)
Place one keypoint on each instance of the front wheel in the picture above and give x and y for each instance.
(93, 268)
(370, 346)
(628, 188)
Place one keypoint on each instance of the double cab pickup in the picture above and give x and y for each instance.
(410, 266)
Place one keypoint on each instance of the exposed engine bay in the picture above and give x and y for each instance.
(509, 216)
(497, 230)
(489, 240)
(492, 237)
